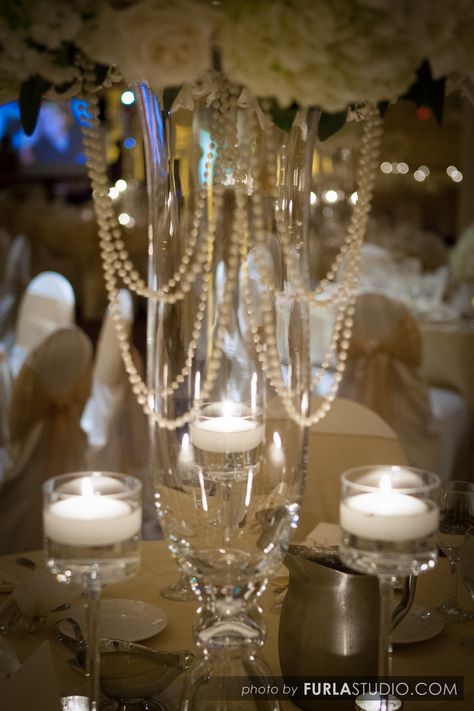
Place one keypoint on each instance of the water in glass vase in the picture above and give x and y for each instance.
(114, 561)
(227, 442)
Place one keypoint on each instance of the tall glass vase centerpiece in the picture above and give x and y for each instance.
(228, 461)
(228, 364)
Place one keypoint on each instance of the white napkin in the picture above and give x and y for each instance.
(325, 535)
(34, 685)
(38, 594)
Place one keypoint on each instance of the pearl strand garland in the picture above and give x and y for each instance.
(116, 262)
(267, 351)
(97, 172)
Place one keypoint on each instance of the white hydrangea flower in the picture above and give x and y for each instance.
(166, 43)
(446, 31)
(329, 53)
(53, 23)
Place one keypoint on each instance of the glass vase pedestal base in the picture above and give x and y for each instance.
(230, 632)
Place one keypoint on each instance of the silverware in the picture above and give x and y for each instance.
(128, 670)
(26, 563)
(61, 608)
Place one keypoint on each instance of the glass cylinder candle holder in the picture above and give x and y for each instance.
(92, 526)
(92, 518)
(389, 517)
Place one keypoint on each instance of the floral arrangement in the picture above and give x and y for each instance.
(462, 257)
(332, 54)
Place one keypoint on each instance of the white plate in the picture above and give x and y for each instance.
(131, 620)
(419, 625)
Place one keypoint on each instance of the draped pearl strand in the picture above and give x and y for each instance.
(197, 259)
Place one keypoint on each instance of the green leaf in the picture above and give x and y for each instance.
(169, 95)
(282, 118)
(329, 124)
(101, 71)
(427, 91)
(383, 107)
(31, 93)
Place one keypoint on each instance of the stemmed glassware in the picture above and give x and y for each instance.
(466, 565)
(389, 520)
(456, 517)
(92, 523)
(228, 442)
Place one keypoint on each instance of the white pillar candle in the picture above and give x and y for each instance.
(387, 515)
(227, 433)
(91, 520)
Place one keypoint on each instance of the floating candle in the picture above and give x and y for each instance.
(227, 433)
(387, 515)
(91, 519)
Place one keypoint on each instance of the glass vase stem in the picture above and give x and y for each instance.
(454, 578)
(93, 590)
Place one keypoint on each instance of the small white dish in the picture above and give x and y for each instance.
(130, 620)
(419, 625)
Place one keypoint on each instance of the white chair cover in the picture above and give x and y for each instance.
(322, 315)
(46, 439)
(349, 436)
(383, 373)
(115, 425)
(15, 276)
(47, 304)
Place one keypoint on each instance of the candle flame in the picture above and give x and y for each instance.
(87, 487)
(385, 484)
(277, 440)
(185, 442)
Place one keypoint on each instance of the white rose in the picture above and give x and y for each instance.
(166, 43)
(53, 23)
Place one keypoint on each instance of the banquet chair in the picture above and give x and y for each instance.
(350, 435)
(114, 423)
(45, 435)
(47, 304)
(14, 278)
(383, 372)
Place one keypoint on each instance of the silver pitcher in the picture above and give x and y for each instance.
(329, 622)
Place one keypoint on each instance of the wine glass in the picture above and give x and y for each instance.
(466, 566)
(92, 523)
(389, 520)
(456, 517)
